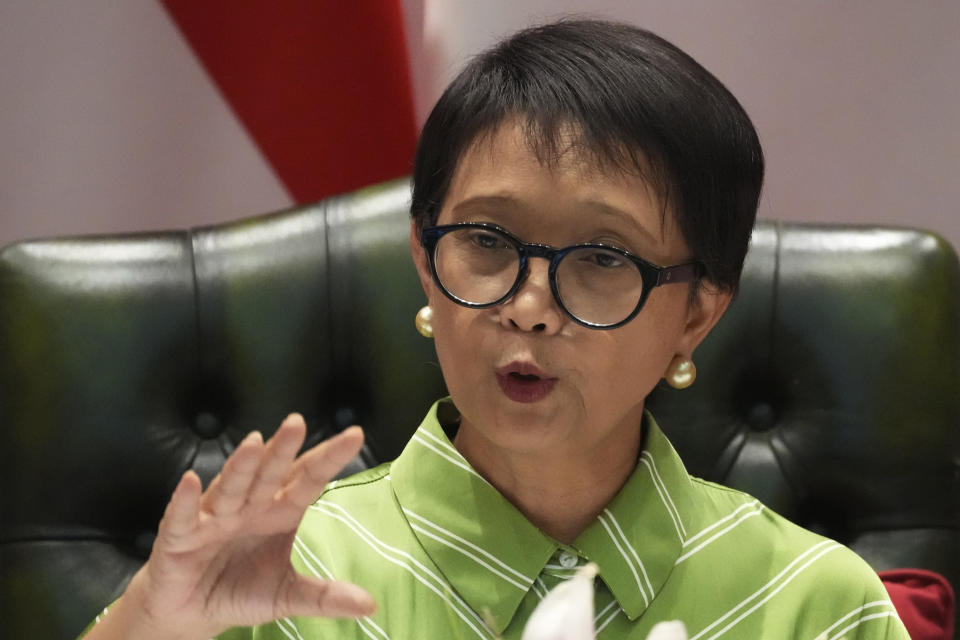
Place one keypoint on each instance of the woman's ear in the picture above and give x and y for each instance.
(704, 311)
(420, 260)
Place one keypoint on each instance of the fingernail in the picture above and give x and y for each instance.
(363, 602)
(366, 604)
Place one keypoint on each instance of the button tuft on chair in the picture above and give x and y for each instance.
(761, 416)
(207, 425)
(345, 417)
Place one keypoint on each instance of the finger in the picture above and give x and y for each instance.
(180, 517)
(279, 456)
(314, 469)
(228, 491)
(308, 596)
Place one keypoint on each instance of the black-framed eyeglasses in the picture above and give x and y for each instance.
(479, 265)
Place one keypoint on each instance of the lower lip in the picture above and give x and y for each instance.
(521, 390)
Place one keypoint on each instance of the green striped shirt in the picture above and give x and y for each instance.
(446, 556)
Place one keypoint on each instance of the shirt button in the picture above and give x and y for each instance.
(568, 560)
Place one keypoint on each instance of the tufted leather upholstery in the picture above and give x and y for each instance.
(830, 389)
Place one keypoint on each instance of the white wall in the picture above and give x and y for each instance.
(857, 102)
(107, 123)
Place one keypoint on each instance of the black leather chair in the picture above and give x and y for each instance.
(831, 389)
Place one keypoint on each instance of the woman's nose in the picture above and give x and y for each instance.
(533, 307)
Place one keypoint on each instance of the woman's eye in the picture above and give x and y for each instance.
(605, 260)
(486, 240)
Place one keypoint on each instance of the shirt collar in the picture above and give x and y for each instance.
(491, 554)
(638, 537)
(486, 549)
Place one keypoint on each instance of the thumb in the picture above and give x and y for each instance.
(306, 596)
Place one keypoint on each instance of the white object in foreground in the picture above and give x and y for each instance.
(566, 613)
(673, 630)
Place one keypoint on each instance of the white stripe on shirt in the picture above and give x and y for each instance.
(440, 586)
(647, 461)
(623, 553)
(817, 549)
(876, 603)
(320, 570)
(873, 616)
(719, 534)
(626, 542)
(519, 585)
(449, 534)
(719, 522)
(456, 461)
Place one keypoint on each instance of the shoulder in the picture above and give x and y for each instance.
(370, 480)
(770, 572)
(356, 527)
(364, 499)
(357, 532)
(739, 522)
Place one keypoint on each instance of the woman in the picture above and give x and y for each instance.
(583, 198)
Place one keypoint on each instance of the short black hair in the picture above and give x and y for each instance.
(637, 102)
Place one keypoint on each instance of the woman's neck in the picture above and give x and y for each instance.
(560, 492)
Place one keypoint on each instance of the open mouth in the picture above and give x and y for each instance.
(522, 382)
(522, 370)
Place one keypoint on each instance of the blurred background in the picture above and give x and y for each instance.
(136, 115)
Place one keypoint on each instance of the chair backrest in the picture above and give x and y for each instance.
(830, 389)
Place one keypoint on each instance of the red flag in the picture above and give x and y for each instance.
(323, 87)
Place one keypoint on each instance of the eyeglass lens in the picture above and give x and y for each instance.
(595, 285)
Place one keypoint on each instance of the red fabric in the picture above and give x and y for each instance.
(924, 600)
(322, 86)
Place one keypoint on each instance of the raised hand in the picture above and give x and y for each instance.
(222, 557)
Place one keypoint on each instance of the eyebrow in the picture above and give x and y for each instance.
(486, 202)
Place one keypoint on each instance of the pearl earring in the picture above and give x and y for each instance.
(681, 372)
(424, 321)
